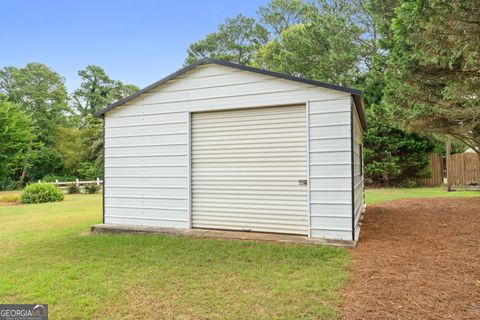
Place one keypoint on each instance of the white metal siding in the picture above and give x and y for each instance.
(246, 167)
(147, 146)
(330, 169)
(358, 179)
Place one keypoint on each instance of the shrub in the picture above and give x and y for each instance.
(90, 171)
(10, 198)
(52, 177)
(92, 188)
(8, 184)
(41, 192)
(409, 183)
(394, 157)
(44, 161)
(72, 188)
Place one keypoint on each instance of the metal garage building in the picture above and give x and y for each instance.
(218, 145)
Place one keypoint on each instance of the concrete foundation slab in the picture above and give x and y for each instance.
(220, 234)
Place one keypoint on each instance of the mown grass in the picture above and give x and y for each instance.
(47, 255)
(387, 194)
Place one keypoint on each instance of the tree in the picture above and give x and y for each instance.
(39, 91)
(236, 40)
(16, 140)
(394, 157)
(324, 49)
(72, 147)
(44, 161)
(279, 15)
(81, 149)
(92, 167)
(97, 91)
(433, 81)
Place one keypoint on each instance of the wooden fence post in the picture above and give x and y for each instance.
(76, 182)
(98, 181)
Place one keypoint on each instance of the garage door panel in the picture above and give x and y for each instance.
(222, 210)
(250, 160)
(261, 113)
(252, 221)
(238, 122)
(239, 189)
(249, 138)
(273, 144)
(244, 183)
(246, 167)
(248, 226)
(247, 194)
(251, 170)
(253, 203)
(251, 132)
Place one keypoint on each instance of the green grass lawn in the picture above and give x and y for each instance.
(47, 255)
(381, 195)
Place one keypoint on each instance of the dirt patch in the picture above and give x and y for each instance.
(417, 259)
(7, 204)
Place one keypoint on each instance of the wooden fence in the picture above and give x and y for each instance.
(464, 170)
(78, 183)
(435, 168)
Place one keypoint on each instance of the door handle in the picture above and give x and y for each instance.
(302, 182)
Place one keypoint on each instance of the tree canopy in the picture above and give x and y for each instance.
(17, 139)
(45, 133)
(40, 92)
(97, 91)
(417, 62)
(236, 40)
(434, 68)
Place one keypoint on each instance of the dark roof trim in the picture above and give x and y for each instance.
(360, 106)
(357, 94)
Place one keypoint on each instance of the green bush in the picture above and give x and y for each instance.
(72, 188)
(89, 171)
(41, 192)
(409, 183)
(8, 184)
(44, 161)
(62, 178)
(394, 157)
(92, 188)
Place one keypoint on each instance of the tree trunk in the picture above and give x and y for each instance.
(21, 182)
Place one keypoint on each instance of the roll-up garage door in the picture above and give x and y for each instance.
(249, 170)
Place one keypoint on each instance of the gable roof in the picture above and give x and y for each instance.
(356, 94)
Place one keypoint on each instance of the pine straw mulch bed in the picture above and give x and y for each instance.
(417, 259)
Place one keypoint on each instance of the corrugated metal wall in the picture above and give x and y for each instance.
(246, 170)
(358, 175)
(147, 143)
(330, 169)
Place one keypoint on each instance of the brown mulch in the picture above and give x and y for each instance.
(417, 259)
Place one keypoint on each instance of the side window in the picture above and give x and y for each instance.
(360, 152)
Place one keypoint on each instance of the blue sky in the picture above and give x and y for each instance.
(136, 42)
